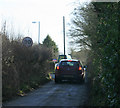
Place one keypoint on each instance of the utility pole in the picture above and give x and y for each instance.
(64, 33)
(39, 32)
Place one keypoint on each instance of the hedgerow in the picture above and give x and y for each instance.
(96, 27)
(23, 68)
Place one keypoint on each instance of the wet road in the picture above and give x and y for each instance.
(51, 94)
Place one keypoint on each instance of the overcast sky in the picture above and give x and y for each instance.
(19, 15)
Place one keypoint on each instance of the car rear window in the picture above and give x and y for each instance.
(71, 63)
(62, 57)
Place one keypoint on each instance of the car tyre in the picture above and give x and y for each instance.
(57, 80)
(83, 80)
(80, 81)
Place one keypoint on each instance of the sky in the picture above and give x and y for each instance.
(19, 15)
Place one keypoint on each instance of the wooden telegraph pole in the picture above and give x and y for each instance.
(64, 33)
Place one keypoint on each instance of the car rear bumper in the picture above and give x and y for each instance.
(69, 76)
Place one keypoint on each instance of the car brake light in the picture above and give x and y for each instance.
(58, 68)
(69, 60)
(80, 68)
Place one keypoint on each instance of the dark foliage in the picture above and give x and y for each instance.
(96, 26)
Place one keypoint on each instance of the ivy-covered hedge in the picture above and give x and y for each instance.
(97, 26)
(105, 51)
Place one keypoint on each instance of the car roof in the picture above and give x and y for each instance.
(69, 59)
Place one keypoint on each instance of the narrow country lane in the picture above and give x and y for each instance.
(51, 94)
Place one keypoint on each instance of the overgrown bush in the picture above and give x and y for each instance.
(23, 68)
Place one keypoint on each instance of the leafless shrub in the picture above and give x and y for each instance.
(22, 65)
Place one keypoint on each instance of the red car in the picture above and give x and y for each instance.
(69, 69)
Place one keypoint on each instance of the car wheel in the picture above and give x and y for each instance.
(57, 80)
(80, 81)
(83, 80)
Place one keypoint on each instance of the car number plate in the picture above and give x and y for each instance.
(70, 76)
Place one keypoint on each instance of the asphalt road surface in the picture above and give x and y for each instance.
(51, 94)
